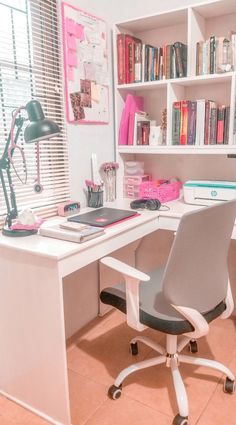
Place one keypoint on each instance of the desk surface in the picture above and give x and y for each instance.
(58, 249)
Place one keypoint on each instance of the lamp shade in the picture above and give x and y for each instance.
(39, 128)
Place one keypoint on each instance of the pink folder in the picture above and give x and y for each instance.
(132, 104)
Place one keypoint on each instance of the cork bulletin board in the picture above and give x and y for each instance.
(85, 54)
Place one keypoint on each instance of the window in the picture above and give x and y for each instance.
(30, 68)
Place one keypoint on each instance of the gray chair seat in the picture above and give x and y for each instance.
(155, 311)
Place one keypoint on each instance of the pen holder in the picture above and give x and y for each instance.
(95, 199)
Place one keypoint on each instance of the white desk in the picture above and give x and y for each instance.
(33, 367)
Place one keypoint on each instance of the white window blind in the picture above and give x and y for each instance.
(30, 68)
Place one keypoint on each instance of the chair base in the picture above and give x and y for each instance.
(172, 358)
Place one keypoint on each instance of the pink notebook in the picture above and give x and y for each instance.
(132, 105)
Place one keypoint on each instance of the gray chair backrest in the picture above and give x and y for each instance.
(196, 273)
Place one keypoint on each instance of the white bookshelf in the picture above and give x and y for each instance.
(188, 25)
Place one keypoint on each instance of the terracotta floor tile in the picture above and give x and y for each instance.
(125, 411)
(219, 344)
(85, 397)
(102, 357)
(221, 408)
(154, 388)
(148, 398)
(13, 413)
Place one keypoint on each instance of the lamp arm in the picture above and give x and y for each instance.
(5, 165)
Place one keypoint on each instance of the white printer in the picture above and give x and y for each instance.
(207, 192)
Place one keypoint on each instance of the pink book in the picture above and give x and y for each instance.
(132, 105)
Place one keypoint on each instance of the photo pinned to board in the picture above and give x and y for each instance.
(86, 66)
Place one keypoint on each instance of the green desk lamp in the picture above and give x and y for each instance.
(39, 128)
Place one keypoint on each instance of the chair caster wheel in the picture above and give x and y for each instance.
(229, 386)
(134, 348)
(114, 392)
(193, 348)
(180, 420)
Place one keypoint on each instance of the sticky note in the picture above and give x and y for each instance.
(95, 92)
(72, 58)
(70, 26)
(71, 42)
(79, 31)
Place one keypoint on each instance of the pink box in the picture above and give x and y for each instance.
(132, 185)
(164, 192)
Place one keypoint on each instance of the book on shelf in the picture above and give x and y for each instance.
(135, 118)
(183, 122)
(129, 52)
(137, 61)
(210, 122)
(181, 59)
(71, 234)
(220, 125)
(141, 128)
(191, 129)
(200, 122)
(214, 55)
(226, 125)
(176, 116)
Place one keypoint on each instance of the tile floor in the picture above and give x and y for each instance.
(101, 351)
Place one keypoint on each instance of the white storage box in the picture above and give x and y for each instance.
(134, 168)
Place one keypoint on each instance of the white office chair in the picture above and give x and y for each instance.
(180, 299)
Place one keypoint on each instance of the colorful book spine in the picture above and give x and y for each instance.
(184, 122)
(212, 123)
(200, 122)
(176, 117)
(192, 114)
(181, 59)
(226, 125)
(137, 61)
(145, 132)
(220, 125)
(212, 54)
(129, 59)
(121, 58)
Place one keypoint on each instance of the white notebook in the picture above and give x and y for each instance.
(83, 235)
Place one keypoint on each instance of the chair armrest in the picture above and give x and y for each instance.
(196, 319)
(132, 278)
(124, 268)
(229, 301)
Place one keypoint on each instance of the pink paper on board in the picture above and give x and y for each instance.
(70, 26)
(72, 58)
(70, 73)
(71, 42)
(79, 32)
(132, 104)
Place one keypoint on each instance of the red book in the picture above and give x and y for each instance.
(121, 58)
(129, 59)
(220, 124)
(183, 122)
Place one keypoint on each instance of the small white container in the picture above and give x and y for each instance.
(134, 168)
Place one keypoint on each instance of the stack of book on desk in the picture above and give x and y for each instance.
(72, 232)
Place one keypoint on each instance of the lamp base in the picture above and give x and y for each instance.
(18, 233)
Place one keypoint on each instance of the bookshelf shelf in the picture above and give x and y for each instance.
(185, 81)
(180, 150)
(187, 25)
